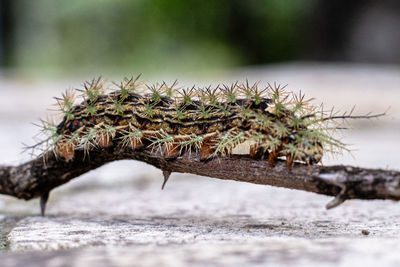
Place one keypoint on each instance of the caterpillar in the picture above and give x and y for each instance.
(210, 121)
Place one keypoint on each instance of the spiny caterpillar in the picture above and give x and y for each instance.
(211, 121)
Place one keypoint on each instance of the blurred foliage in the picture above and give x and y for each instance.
(155, 35)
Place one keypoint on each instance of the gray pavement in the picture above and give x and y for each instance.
(118, 216)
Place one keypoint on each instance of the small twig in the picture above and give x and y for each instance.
(43, 202)
(166, 175)
(38, 177)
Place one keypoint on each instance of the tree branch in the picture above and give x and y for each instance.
(38, 177)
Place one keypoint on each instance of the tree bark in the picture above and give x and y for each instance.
(39, 176)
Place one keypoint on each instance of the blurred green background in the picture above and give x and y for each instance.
(159, 36)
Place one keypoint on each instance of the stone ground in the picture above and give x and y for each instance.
(118, 216)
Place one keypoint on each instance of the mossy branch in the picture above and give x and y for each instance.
(39, 176)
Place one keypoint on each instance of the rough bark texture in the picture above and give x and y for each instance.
(38, 177)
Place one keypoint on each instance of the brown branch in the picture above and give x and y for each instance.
(37, 178)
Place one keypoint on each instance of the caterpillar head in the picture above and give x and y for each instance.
(305, 148)
(312, 152)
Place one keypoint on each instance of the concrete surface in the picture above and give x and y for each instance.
(118, 216)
